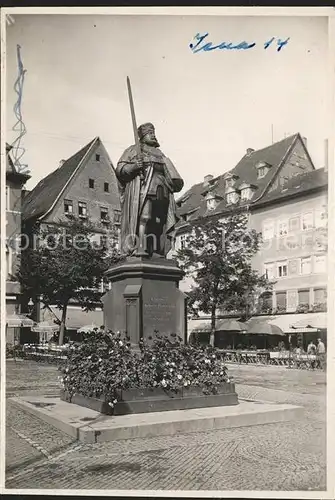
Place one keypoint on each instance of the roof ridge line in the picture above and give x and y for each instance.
(266, 187)
(70, 178)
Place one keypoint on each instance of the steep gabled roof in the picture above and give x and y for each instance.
(246, 172)
(307, 181)
(40, 200)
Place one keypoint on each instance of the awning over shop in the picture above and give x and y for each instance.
(198, 326)
(310, 320)
(288, 323)
(45, 326)
(18, 320)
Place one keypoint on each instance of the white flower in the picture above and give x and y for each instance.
(89, 357)
(120, 342)
(213, 356)
(67, 370)
(171, 370)
(228, 380)
(115, 401)
(173, 364)
(185, 383)
(164, 384)
(155, 383)
(167, 363)
(153, 358)
(212, 373)
(179, 377)
(221, 373)
(110, 404)
(207, 361)
(100, 360)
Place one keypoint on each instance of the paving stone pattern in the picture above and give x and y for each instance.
(283, 456)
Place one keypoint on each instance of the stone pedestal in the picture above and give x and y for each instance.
(145, 297)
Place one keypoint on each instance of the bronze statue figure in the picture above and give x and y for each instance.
(147, 180)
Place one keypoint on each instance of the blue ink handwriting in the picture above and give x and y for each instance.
(208, 46)
(223, 45)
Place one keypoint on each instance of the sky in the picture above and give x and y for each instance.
(207, 107)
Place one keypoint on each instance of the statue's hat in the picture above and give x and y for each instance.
(144, 129)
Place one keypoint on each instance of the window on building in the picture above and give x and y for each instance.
(282, 228)
(232, 197)
(211, 205)
(103, 213)
(91, 183)
(269, 270)
(321, 217)
(82, 209)
(281, 301)
(303, 297)
(183, 241)
(97, 157)
(266, 302)
(268, 230)
(320, 264)
(106, 187)
(306, 265)
(320, 295)
(307, 221)
(117, 216)
(261, 172)
(68, 207)
(294, 224)
(282, 269)
(246, 194)
(7, 198)
(103, 240)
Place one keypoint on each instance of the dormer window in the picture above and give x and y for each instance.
(262, 169)
(247, 191)
(232, 196)
(211, 201)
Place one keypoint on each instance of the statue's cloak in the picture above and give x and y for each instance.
(133, 193)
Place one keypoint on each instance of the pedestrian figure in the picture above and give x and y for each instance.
(321, 354)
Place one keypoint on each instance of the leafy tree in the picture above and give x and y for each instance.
(217, 256)
(64, 264)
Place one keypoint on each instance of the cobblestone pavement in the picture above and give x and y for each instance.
(283, 456)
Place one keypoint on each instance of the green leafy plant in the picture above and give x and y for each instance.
(63, 265)
(217, 257)
(105, 364)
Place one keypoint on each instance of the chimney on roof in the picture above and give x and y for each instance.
(61, 163)
(326, 155)
(207, 179)
(250, 150)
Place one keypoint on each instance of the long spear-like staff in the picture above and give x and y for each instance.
(133, 119)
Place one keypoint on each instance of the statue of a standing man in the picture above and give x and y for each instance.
(147, 182)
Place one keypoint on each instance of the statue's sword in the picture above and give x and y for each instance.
(133, 119)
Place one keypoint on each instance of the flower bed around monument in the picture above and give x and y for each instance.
(104, 371)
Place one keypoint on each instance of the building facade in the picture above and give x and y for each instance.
(286, 199)
(15, 182)
(84, 186)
